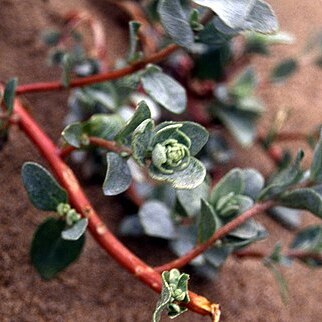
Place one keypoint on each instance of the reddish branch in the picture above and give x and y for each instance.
(220, 233)
(84, 81)
(97, 228)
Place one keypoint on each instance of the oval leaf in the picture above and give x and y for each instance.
(165, 90)
(156, 220)
(175, 22)
(284, 70)
(50, 254)
(118, 175)
(76, 231)
(43, 190)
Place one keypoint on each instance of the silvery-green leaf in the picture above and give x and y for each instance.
(284, 70)
(142, 113)
(118, 176)
(102, 97)
(164, 300)
(76, 231)
(185, 241)
(233, 181)
(287, 177)
(171, 130)
(316, 166)
(164, 90)
(245, 83)
(241, 15)
(197, 134)
(261, 18)
(217, 255)
(43, 190)
(244, 203)
(303, 198)
(105, 126)
(249, 230)
(241, 124)
(232, 12)
(254, 183)
(190, 177)
(207, 222)
(131, 226)
(141, 139)
(290, 218)
(72, 134)
(190, 199)
(156, 220)
(175, 22)
(310, 240)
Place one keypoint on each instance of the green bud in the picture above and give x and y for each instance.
(63, 208)
(170, 156)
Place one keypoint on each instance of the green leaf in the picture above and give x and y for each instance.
(50, 254)
(73, 133)
(43, 190)
(156, 220)
(76, 231)
(164, 300)
(284, 179)
(245, 83)
(316, 166)
(304, 198)
(134, 54)
(240, 15)
(165, 90)
(254, 183)
(197, 134)
(104, 126)
(309, 240)
(118, 175)
(231, 182)
(170, 130)
(290, 218)
(175, 22)
(207, 222)
(217, 255)
(9, 94)
(142, 113)
(284, 70)
(190, 199)
(189, 178)
(251, 229)
(141, 139)
(241, 124)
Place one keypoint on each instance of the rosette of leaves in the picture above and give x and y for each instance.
(174, 292)
(168, 150)
(173, 146)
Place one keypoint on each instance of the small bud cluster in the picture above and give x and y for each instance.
(70, 215)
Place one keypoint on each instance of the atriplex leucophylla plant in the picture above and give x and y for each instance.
(126, 122)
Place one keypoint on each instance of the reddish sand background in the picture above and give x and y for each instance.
(95, 288)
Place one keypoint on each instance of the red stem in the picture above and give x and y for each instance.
(84, 81)
(98, 229)
(220, 233)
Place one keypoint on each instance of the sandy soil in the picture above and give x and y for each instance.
(95, 288)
